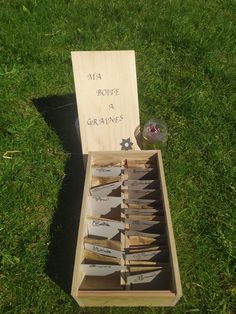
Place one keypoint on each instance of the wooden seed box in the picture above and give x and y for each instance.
(125, 215)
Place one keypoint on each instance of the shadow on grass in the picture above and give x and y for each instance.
(60, 113)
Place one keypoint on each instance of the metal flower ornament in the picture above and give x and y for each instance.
(126, 144)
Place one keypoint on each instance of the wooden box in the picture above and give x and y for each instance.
(125, 253)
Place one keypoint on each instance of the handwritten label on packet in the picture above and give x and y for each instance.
(102, 250)
(104, 227)
(102, 205)
(100, 270)
(142, 256)
(105, 189)
(106, 171)
(143, 278)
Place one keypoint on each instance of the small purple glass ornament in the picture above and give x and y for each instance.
(154, 134)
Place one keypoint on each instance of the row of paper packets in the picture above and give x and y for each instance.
(125, 246)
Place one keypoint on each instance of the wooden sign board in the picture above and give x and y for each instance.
(107, 99)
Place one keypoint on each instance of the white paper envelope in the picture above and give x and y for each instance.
(142, 223)
(137, 249)
(145, 223)
(142, 256)
(142, 184)
(143, 203)
(99, 205)
(146, 226)
(106, 171)
(100, 270)
(104, 227)
(102, 250)
(105, 190)
(142, 234)
(143, 277)
(150, 194)
(141, 211)
(138, 173)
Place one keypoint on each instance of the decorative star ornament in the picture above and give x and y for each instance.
(126, 144)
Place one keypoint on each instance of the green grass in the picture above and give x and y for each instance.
(186, 68)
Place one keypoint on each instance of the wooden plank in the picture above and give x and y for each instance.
(76, 279)
(127, 298)
(107, 99)
(173, 254)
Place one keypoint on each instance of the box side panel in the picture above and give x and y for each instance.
(173, 254)
(134, 301)
(78, 257)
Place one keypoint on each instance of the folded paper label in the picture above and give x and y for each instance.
(143, 278)
(102, 250)
(142, 223)
(142, 234)
(106, 172)
(142, 184)
(141, 211)
(105, 190)
(148, 203)
(100, 270)
(102, 205)
(142, 256)
(104, 227)
(138, 173)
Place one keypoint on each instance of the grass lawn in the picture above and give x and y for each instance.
(186, 68)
